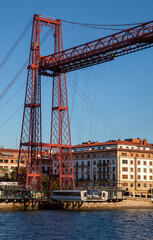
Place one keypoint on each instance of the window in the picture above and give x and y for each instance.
(136, 155)
(145, 177)
(12, 161)
(144, 163)
(131, 169)
(124, 176)
(76, 156)
(88, 163)
(124, 161)
(150, 163)
(6, 161)
(103, 154)
(142, 155)
(76, 164)
(113, 169)
(144, 170)
(139, 177)
(94, 155)
(125, 184)
(138, 162)
(131, 162)
(82, 156)
(131, 154)
(124, 154)
(124, 169)
(150, 170)
(150, 178)
(131, 176)
(139, 170)
(139, 185)
(131, 184)
(148, 156)
(1, 160)
(94, 162)
(145, 185)
(113, 162)
(99, 154)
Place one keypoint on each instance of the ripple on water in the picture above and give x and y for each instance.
(65, 225)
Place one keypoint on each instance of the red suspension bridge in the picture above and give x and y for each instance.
(56, 65)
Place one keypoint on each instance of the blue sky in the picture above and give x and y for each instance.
(119, 91)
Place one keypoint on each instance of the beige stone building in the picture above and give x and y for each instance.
(9, 160)
(127, 164)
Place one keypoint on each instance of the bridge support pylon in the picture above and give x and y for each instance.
(31, 146)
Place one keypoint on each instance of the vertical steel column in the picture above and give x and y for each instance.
(30, 142)
(61, 156)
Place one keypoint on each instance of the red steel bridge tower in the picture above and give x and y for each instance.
(56, 65)
(31, 144)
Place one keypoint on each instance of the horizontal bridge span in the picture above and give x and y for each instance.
(99, 51)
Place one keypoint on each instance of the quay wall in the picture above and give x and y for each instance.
(121, 205)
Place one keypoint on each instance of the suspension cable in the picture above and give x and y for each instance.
(94, 109)
(20, 106)
(102, 26)
(21, 69)
(15, 44)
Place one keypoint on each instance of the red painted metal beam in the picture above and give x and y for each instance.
(99, 51)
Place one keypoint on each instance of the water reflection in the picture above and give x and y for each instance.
(65, 225)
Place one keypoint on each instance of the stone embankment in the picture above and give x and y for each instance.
(130, 203)
(125, 204)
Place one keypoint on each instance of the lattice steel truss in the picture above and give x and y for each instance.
(56, 65)
(31, 144)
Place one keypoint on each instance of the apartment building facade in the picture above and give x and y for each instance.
(127, 164)
(9, 161)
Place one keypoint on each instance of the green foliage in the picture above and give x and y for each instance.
(13, 174)
(45, 182)
(55, 185)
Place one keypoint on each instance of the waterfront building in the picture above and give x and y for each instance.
(127, 164)
(9, 161)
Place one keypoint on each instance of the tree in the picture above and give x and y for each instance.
(13, 174)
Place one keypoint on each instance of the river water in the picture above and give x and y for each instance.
(80, 225)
